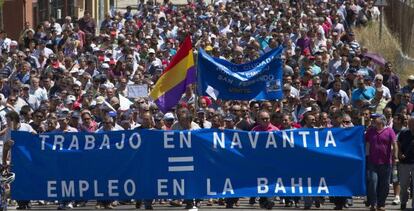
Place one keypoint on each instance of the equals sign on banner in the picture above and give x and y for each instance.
(179, 164)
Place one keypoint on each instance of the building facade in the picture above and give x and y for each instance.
(14, 14)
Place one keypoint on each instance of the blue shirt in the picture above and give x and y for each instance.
(24, 78)
(363, 94)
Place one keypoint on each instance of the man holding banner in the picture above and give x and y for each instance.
(310, 122)
(265, 125)
(13, 124)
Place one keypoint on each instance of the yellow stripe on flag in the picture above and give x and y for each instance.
(173, 77)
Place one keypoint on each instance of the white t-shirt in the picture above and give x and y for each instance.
(115, 128)
(23, 127)
(39, 93)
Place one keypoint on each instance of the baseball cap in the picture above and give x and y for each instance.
(105, 66)
(62, 115)
(112, 61)
(99, 100)
(158, 116)
(151, 50)
(229, 117)
(169, 116)
(376, 115)
(75, 115)
(208, 48)
(14, 43)
(70, 99)
(52, 56)
(25, 86)
(112, 113)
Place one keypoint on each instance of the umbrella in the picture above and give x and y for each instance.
(376, 58)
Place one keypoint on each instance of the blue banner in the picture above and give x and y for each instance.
(260, 79)
(149, 164)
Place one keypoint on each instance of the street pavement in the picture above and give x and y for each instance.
(244, 206)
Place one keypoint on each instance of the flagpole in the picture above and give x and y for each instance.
(194, 208)
(196, 97)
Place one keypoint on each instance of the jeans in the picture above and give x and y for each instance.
(291, 199)
(190, 202)
(147, 202)
(23, 203)
(231, 201)
(308, 200)
(339, 202)
(405, 171)
(378, 176)
(264, 201)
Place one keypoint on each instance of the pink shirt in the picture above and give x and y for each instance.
(380, 145)
(269, 128)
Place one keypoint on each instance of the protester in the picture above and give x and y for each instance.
(383, 151)
(406, 165)
(265, 125)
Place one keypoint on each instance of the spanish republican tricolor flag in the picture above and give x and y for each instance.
(180, 73)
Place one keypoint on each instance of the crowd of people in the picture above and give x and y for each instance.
(74, 75)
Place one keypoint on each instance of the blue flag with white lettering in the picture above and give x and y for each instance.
(260, 79)
(150, 164)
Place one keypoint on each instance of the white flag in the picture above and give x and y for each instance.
(212, 92)
(124, 103)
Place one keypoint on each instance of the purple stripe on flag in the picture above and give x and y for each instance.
(173, 96)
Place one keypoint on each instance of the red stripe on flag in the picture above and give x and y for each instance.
(182, 52)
